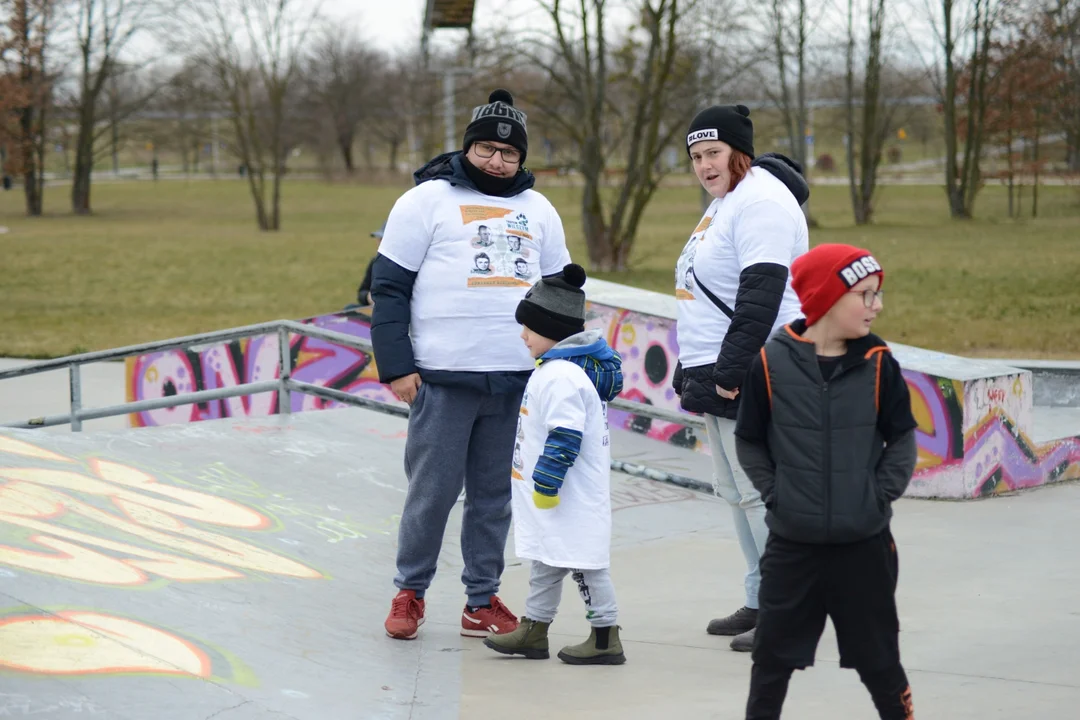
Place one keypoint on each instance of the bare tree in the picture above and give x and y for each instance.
(190, 106)
(26, 90)
(1061, 23)
(103, 30)
(397, 118)
(255, 49)
(628, 100)
(342, 78)
(966, 41)
(789, 34)
(868, 134)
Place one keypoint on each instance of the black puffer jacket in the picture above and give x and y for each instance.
(761, 290)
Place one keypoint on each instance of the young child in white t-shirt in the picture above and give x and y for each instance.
(561, 476)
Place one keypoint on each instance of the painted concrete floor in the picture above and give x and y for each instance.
(242, 569)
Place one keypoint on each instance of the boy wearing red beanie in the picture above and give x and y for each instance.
(826, 435)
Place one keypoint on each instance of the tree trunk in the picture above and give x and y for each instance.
(952, 171)
(1012, 212)
(275, 219)
(393, 154)
(597, 239)
(1035, 166)
(805, 159)
(345, 142)
(857, 207)
(33, 194)
(256, 184)
(28, 158)
(84, 163)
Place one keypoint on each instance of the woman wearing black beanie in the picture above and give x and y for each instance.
(733, 291)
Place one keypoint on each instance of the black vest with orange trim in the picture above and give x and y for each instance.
(824, 440)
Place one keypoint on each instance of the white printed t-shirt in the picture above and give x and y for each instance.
(760, 221)
(576, 533)
(475, 256)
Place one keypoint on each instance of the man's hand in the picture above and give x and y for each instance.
(727, 394)
(406, 387)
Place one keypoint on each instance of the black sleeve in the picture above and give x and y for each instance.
(897, 464)
(758, 466)
(677, 378)
(894, 401)
(755, 409)
(363, 293)
(391, 291)
(757, 303)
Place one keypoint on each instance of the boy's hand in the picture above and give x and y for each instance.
(545, 502)
(406, 387)
(727, 394)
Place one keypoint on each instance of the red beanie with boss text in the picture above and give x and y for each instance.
(821, 276)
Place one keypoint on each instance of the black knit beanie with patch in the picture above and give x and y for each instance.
(727, 123)
(500, 121)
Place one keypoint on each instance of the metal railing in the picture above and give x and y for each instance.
(284, 385)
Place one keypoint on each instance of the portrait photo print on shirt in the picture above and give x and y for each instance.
(481, 264)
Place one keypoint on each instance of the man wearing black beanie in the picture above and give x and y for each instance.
(446, 341)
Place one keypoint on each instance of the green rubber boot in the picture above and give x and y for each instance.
(530, 639)
(602, 648)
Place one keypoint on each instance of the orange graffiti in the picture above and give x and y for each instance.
(18, 447)
(83, 643)
(475, 213)
(39, 499)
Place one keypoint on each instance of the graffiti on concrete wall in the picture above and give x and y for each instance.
(972, 442)
(970, 434)
(647, 344)
(251, 360)
(650, 350)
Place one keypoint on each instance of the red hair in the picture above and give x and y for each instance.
(738, 166)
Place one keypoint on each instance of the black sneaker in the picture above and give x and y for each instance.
(742, 620)
(743, 642)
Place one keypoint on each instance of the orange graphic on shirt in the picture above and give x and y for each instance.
(520, 234)
(477, 213)
(475, 282)
(681, 294)
(516, 475)
(703, 225)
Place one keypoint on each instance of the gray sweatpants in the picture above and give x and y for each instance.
(545, 592)
(457, 435)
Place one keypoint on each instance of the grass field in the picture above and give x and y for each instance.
(172, 258)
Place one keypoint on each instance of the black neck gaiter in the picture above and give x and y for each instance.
(487, 184)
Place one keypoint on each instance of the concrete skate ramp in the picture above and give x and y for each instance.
(242, 569)
(233, 570)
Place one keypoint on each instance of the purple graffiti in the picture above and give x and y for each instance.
(935, 443)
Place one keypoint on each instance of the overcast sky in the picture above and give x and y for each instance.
(395, 24)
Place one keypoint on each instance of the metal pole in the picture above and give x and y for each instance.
(448, 109)
(76, 396)
(284, 393)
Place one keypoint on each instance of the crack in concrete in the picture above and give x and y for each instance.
(228, 709)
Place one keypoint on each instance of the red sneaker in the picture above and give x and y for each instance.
(406, 616)
(494, 620)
